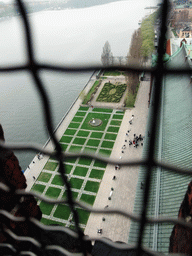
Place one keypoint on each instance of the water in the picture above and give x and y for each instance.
(73, 36)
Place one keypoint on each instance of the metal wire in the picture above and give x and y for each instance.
(33, 67)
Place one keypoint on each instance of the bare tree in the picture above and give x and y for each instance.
(107, 56)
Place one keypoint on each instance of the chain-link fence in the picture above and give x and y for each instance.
(37, 246)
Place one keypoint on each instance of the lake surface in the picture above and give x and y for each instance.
(66, 37)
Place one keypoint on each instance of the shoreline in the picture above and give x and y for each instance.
(35, 167)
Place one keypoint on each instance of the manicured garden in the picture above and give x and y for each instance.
(84, 174)
(111, 92)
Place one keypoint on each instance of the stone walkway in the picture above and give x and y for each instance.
(116, 227)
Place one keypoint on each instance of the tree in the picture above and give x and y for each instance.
(107, 56)
(134, 55)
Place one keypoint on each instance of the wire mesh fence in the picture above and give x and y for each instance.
(36, 245)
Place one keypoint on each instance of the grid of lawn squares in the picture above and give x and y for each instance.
(84, 174)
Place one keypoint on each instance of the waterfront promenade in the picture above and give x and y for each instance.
(114, 227)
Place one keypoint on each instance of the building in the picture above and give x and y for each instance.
(173, 143)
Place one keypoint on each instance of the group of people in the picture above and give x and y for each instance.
(136, 140)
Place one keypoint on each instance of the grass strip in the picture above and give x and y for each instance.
(83, 133)
(103, 110)
(92, 186)
(53, 192)
(96, 135)
(113, 129)
(80, 171)
(44, 176)
(38, 188)
(57, 180)
(70, 132)
(62, 212)
(96, 174)
(93, 143)
(66, 139)
(110, 136)
(51, 222)
(76, 183)
(77, 119)
(84, 161)
(51, 166)
(107, 144)
(92, 90)
(89, 199)
(73, 125)
(79, 141)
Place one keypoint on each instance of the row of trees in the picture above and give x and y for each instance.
(141, 47)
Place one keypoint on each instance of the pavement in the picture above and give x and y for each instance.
(114, 227)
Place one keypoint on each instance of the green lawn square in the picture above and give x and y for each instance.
(57, 180)
(46, 208)
(93, 143)
(77, 119)
(76, 183)
(79, 141)
(62, 212)
(66, 139)
(113, 129)
(51, 166)
(84, 108)
(115, 122)
(74, 195)
(104, 118)
(73, 125)
(92, 186)
(120, 112)
(51, 222)
(38, 188)
(106, 110)
(89, 199)
(75, 149)
(105, 152)
(83, 216)
(70, 132)
(70, 160)
(53, 192)
(90, 150)
(110, 136)
(44, 176)
(96, 174)
(85, 161)
(83, 133)
(80, 113)
(111, 92)
(118, 116)
(68, 168)
(96, 135)
(100, 164)
(64, 146)
(107, 144)
(80, 171)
